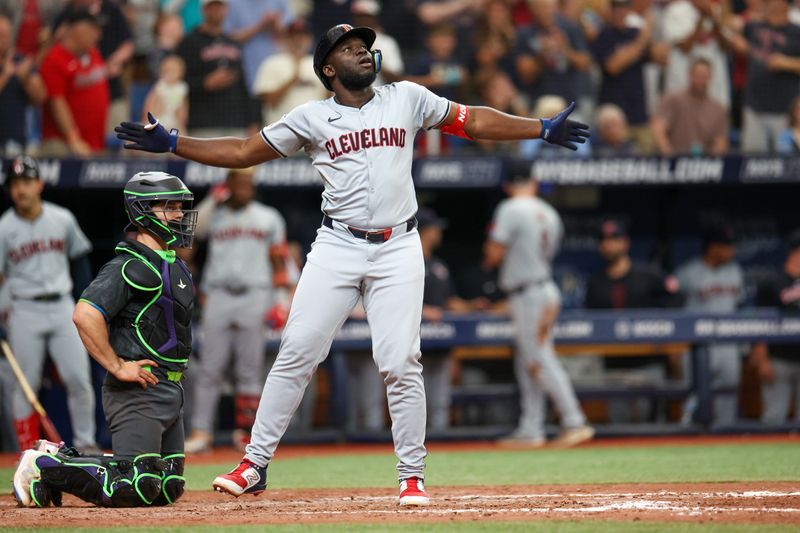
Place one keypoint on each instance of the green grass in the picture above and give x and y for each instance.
(588, 465)
(729, 462)
(465, 527)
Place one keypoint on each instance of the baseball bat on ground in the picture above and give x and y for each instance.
(50, 430)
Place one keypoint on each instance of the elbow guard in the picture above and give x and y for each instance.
(457, 127)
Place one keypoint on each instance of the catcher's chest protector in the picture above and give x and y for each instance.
(162, 305)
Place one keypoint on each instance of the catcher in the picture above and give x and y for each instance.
(135, 320)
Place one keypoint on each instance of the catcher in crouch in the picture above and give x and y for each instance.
(135, 320)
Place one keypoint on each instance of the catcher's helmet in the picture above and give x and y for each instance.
(146, 188)
(21, 168)
(332, 37)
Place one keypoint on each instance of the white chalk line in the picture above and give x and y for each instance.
(647, 501)
(579, 495)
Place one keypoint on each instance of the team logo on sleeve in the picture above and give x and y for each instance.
(366, 138)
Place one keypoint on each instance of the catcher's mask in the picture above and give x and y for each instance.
(332, 37)
(147, 188)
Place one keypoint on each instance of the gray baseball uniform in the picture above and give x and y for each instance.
(237, 281)
(532, 231)
(34, 258)
(716, 290)
(363, 156)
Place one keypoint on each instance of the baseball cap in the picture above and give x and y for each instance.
(620, 3)
(613, 227)
(206, 2)
(427, 217)
(22, 168)
(720, 233)
(331, 38)
(519, 171)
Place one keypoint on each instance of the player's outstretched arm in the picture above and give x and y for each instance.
(228, 152)
(490, 124)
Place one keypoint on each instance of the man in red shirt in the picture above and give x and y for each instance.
(75, 75)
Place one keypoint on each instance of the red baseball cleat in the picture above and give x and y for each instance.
(247, 478)
(412, 492)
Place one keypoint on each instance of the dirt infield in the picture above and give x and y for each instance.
(741, 502)
(755, 503)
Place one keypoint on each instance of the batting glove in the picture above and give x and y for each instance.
(152, 137)
(564, 132)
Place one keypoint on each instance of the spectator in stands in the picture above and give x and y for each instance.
(624, 284)
(31, 22)
(116, 46)
(691, 121)
(439, 297)
(714, 283)
(536, 148)
(218, 101)
(692, 32)
(613, 137)
(622, 52)
(495, 89)
(169, 34)
(142, 16)
(461, 15)
(495, 39)
(524, 238)
(189, 11)
(20, 85)
(789, 139)
(74, 74)
(365, 13)
(754, 11)
(169, 97)
(773, 74)
(439, 68)
(286, 80)
(584, 16)
(552, 56)
(778, 365)
(257, 25)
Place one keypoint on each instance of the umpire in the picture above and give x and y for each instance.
(135, 320)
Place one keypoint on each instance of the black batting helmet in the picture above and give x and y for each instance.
(331, 38)
(22, 168)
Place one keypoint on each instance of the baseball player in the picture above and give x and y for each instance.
(778, 365)
(525, 236)
(244, 276)
(135, 319)
(361, 143)
(714, 283)
(39, 243)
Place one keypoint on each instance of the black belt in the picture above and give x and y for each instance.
(49, 297)
(522, 288)
(377, 236)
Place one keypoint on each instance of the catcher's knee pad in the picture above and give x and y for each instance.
(104, 481)
(173, 481)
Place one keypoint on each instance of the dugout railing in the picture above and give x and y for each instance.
(610, 333)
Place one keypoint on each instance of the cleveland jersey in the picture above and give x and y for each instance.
(363, 155)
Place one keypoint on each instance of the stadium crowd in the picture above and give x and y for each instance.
(652, 76)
